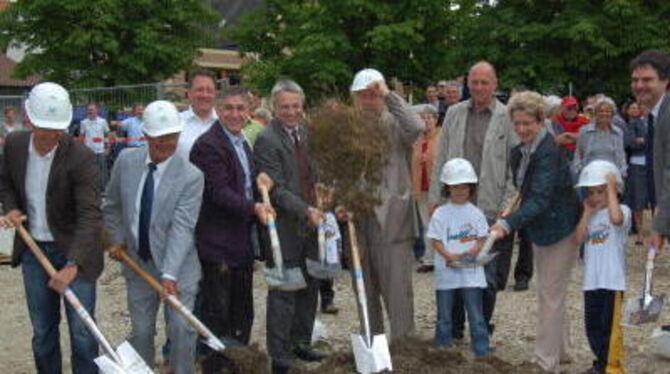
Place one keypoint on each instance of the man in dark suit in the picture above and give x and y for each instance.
(53, 180)
(281, 152)
(650, 76)
(223, 231)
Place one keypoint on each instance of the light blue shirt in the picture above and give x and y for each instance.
(238, 143)
(133, 127)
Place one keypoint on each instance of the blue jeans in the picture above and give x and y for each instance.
(44, 309)
(479, 334)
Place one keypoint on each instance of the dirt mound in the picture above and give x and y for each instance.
(414, 355)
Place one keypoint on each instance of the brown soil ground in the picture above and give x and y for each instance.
(514, 317)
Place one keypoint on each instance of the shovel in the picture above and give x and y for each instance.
(322, 269)
(648, 307)
(371, 352)
(483, 257)
(290, 279)
(124, 360)
(209, 338)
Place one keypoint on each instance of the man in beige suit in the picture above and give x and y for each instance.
(479, 130)
(386, 238)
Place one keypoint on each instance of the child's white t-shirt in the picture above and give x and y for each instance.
(604, 252)
(458, 227)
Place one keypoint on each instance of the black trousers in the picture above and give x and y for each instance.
(602, 314)
(326, 292)
(290, 320)
(227, 306)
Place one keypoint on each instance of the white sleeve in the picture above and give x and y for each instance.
(437, 225)
(482, 225)
(627, 218)
(106, 125)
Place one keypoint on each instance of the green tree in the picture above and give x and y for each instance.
(105, 42)
(321, 44)
(546, 45)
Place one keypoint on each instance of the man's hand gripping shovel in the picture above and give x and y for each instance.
(123, 360)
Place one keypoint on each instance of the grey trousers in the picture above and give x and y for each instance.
(290, 320)
(143, 303)
(387, 272)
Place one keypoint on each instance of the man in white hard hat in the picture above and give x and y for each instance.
(52, 181)
(387, 237)
(151, 206)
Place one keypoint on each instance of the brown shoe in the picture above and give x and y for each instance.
(329, 309)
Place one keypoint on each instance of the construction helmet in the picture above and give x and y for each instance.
(594, 174)
(458, 171)
(364, 77)
(48, 106)
(161, 118)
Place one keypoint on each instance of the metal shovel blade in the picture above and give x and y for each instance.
(371, 359)
(322, 270)
(290, 279)
(131, 362)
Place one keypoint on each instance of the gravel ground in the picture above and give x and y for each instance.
(514, 317)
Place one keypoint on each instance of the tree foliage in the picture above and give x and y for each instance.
(105, 42)
(545, 45)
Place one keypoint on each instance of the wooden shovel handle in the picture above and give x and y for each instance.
(153, 283)
(35, 249)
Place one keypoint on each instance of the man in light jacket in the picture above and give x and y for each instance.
(386, 237)
(480, 131)
(150, 209)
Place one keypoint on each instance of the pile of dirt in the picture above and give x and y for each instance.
(415, 355)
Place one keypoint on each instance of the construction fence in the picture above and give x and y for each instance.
(115, 102)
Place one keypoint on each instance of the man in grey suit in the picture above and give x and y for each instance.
(281, 152)
(151, 208)
(650, 76)
(386, 236)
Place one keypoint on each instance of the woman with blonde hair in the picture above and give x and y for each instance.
(548, 211)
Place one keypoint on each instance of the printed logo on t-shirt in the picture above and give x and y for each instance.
(464, 235)
(599, 234)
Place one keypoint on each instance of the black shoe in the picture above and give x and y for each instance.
(329, 309)
(425, 268)
(521, 285)
(279, 369)
(307, 353)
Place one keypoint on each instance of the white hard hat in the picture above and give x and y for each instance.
(458, 171)
(364, 77)
(595, 172)
(161, 118)
(48, 106)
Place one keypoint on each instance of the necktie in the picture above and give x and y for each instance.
(649, 158)
(146, 203)
(304, 169)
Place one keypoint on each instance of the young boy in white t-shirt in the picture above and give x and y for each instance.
(456, 228)
(604, 229)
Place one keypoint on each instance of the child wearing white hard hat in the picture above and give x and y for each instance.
(456, 228)
(603, 229)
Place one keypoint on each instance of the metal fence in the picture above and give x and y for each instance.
(113, 100)
(15, 101)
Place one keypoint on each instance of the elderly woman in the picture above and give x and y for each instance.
(548, 211)
(423, 157)
(600, 139)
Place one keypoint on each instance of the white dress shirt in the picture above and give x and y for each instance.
(193, 128)
(37, 177)
(160, 169)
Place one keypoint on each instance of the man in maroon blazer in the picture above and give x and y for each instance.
(223, 232)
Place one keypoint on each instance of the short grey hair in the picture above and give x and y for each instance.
(457, 85)
(425, 109)
(286, 85)
(604, 100)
